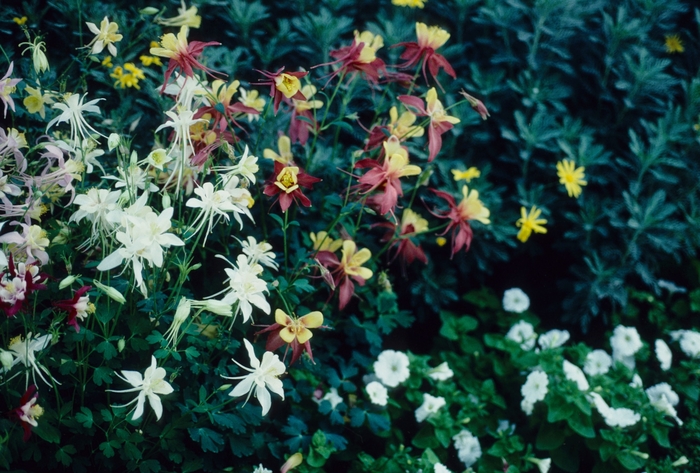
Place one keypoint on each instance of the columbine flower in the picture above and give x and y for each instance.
(294, 331)
(620, 417)
(530, 222)
(263, 376)
(377, 393)
(429, 39)
(77, 308)
(515, 300)
(347, 270)
(259, 252)
(571, 176)
(468, 175)
(292, 462)
(186, 17)
(72, 112)
(535, 387)
(214, 205)
(522, 333)
(24, 350)
(7, 87)
(664, 399)
(429, 407)
(673, 44)
(284, 146)
(553, 339)
(149, 385)
(412, 224)
(598, 362)
(322, 241)
(28, 411)
(251, 100)
(299, 129)
(470, 208)
(574, 373)
(441, 372)
(182, 55)
(245, 288)
(476, 104)
(287, 184)
(182, 312)
(468, 447)
(663, 354)
(105, 36)
(283, 84)
(440, 121)
(360, 56)
(625, 342)
(41, 64)
(35, 101)
(391, 368)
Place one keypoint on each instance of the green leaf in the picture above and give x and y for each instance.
(230, 421)
(210, 440)
(63, 455)
(191, 353)
(47, 432)
(425, 438)
(102, 375)
(130, 452)
(149, 466)
(106, 415)
(84, 417)
(581, 424)
(549, 437)
(660, 434)
(630, 461)
(454, 327)
(107, 448)
(107, 349)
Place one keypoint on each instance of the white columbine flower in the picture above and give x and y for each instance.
(597, 362)
(214, 205)
(515, 300)
(524, 334)
(182, 312)
(95, 206)
(663, 354)
(553, 339)
(625, 343)
(664, 399)
(391, 368)
(72, 112)
(245, 288)
(377, 393)
(430, 406)
(441, 372)
(24, 349)
(468, 447)
(263, 376)
(105, 36)
(535, 387)
(149, 385)
(574, 373)
(259, 252)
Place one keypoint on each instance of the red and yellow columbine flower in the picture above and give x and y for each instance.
(346, 270)
(77, 308)
(293, 331)
(470, 208)
(284, 146)
(476, 104)
(402, 127)
(385, 176)
(287, 185)
(28, 411)
(440, 121)
(412, 224)
(219, 98)
(429, 39)
(182, 54)
(530, 222)
(299, 129)
(571, 176)
(283, 85)
(360, 56)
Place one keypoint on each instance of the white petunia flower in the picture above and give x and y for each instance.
(663, 354)
(527, 406)
(441, 372)
(261, 469)
(391, 368)
(263, 376)
(440, 468)
(332, 397)
(377, 393)
(468, 447)
(597, 362)
(553, 339)
(149, 385)
(625, 342)
(636, 381)
(515, 300)
(535, 387)
(614, 417)
(543, 464)
(430, 406)
(664, 399)
(574, 373)
(690, 343)
(524, 334)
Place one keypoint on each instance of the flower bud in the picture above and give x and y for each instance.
(121, 344)
(218, 307)
(41, 64)
(182, 311)
(110, 292)
(681, 461)
(113, 141)
(67, 281)
(476, 104)
(148, 11)
(166, 201)
(224, 387)
(292, 462)
(6, 359)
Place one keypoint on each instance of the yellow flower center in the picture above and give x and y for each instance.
(287, 179)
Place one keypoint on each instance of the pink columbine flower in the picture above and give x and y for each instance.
(77, 308)
(440, 121)
(7, 86)
(283, 85)
(28, 411)
(429, 39)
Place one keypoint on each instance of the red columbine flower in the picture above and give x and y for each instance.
(360, 56)
(429, 39)
(283, 84)
(411, 225)
(440, 121)
(28, 411)
(182, 54)
(386, 176)
(346, 270)
(299, 129)
(17, 284)
(293, 331)
(288, 181)
(77, 308)
(470, 208)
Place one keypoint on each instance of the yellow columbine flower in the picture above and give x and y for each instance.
(186, 17)
(571, 177)
(468, 175)
(287, 84)
(253, 100)
(20, 21)
(303, 105)
(674, 44)
(352, 260)
(298, 328)
(105, 37)
(530, 222)
(372, 43)
(224, 93)
(431, 37)
(322, 241)
(170, 45)
(409, 217)
(284, 145)
(287, 179)
(35, 101)
(409, 3)
(402, 126)
(471, 208)
(435, 109)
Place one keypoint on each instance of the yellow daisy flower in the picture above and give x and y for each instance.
(571, 176)
(530, 222)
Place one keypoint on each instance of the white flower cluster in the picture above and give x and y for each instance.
(468, 447)
(524, 334)
(430, 406)
(625, 342)
(598, 362)
(664, 399)
(689, 341)
(535, 389)
(614, 417)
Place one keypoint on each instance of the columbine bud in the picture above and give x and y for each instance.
(292, 462)
(6, 359)
(67, 281)
(110, 291)
(182, 311)
(41, 64)
(476, 104)
(166, 201)
(218, 308)
(113, 141)
(121, 343)
(148, 11)
(224, 387)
